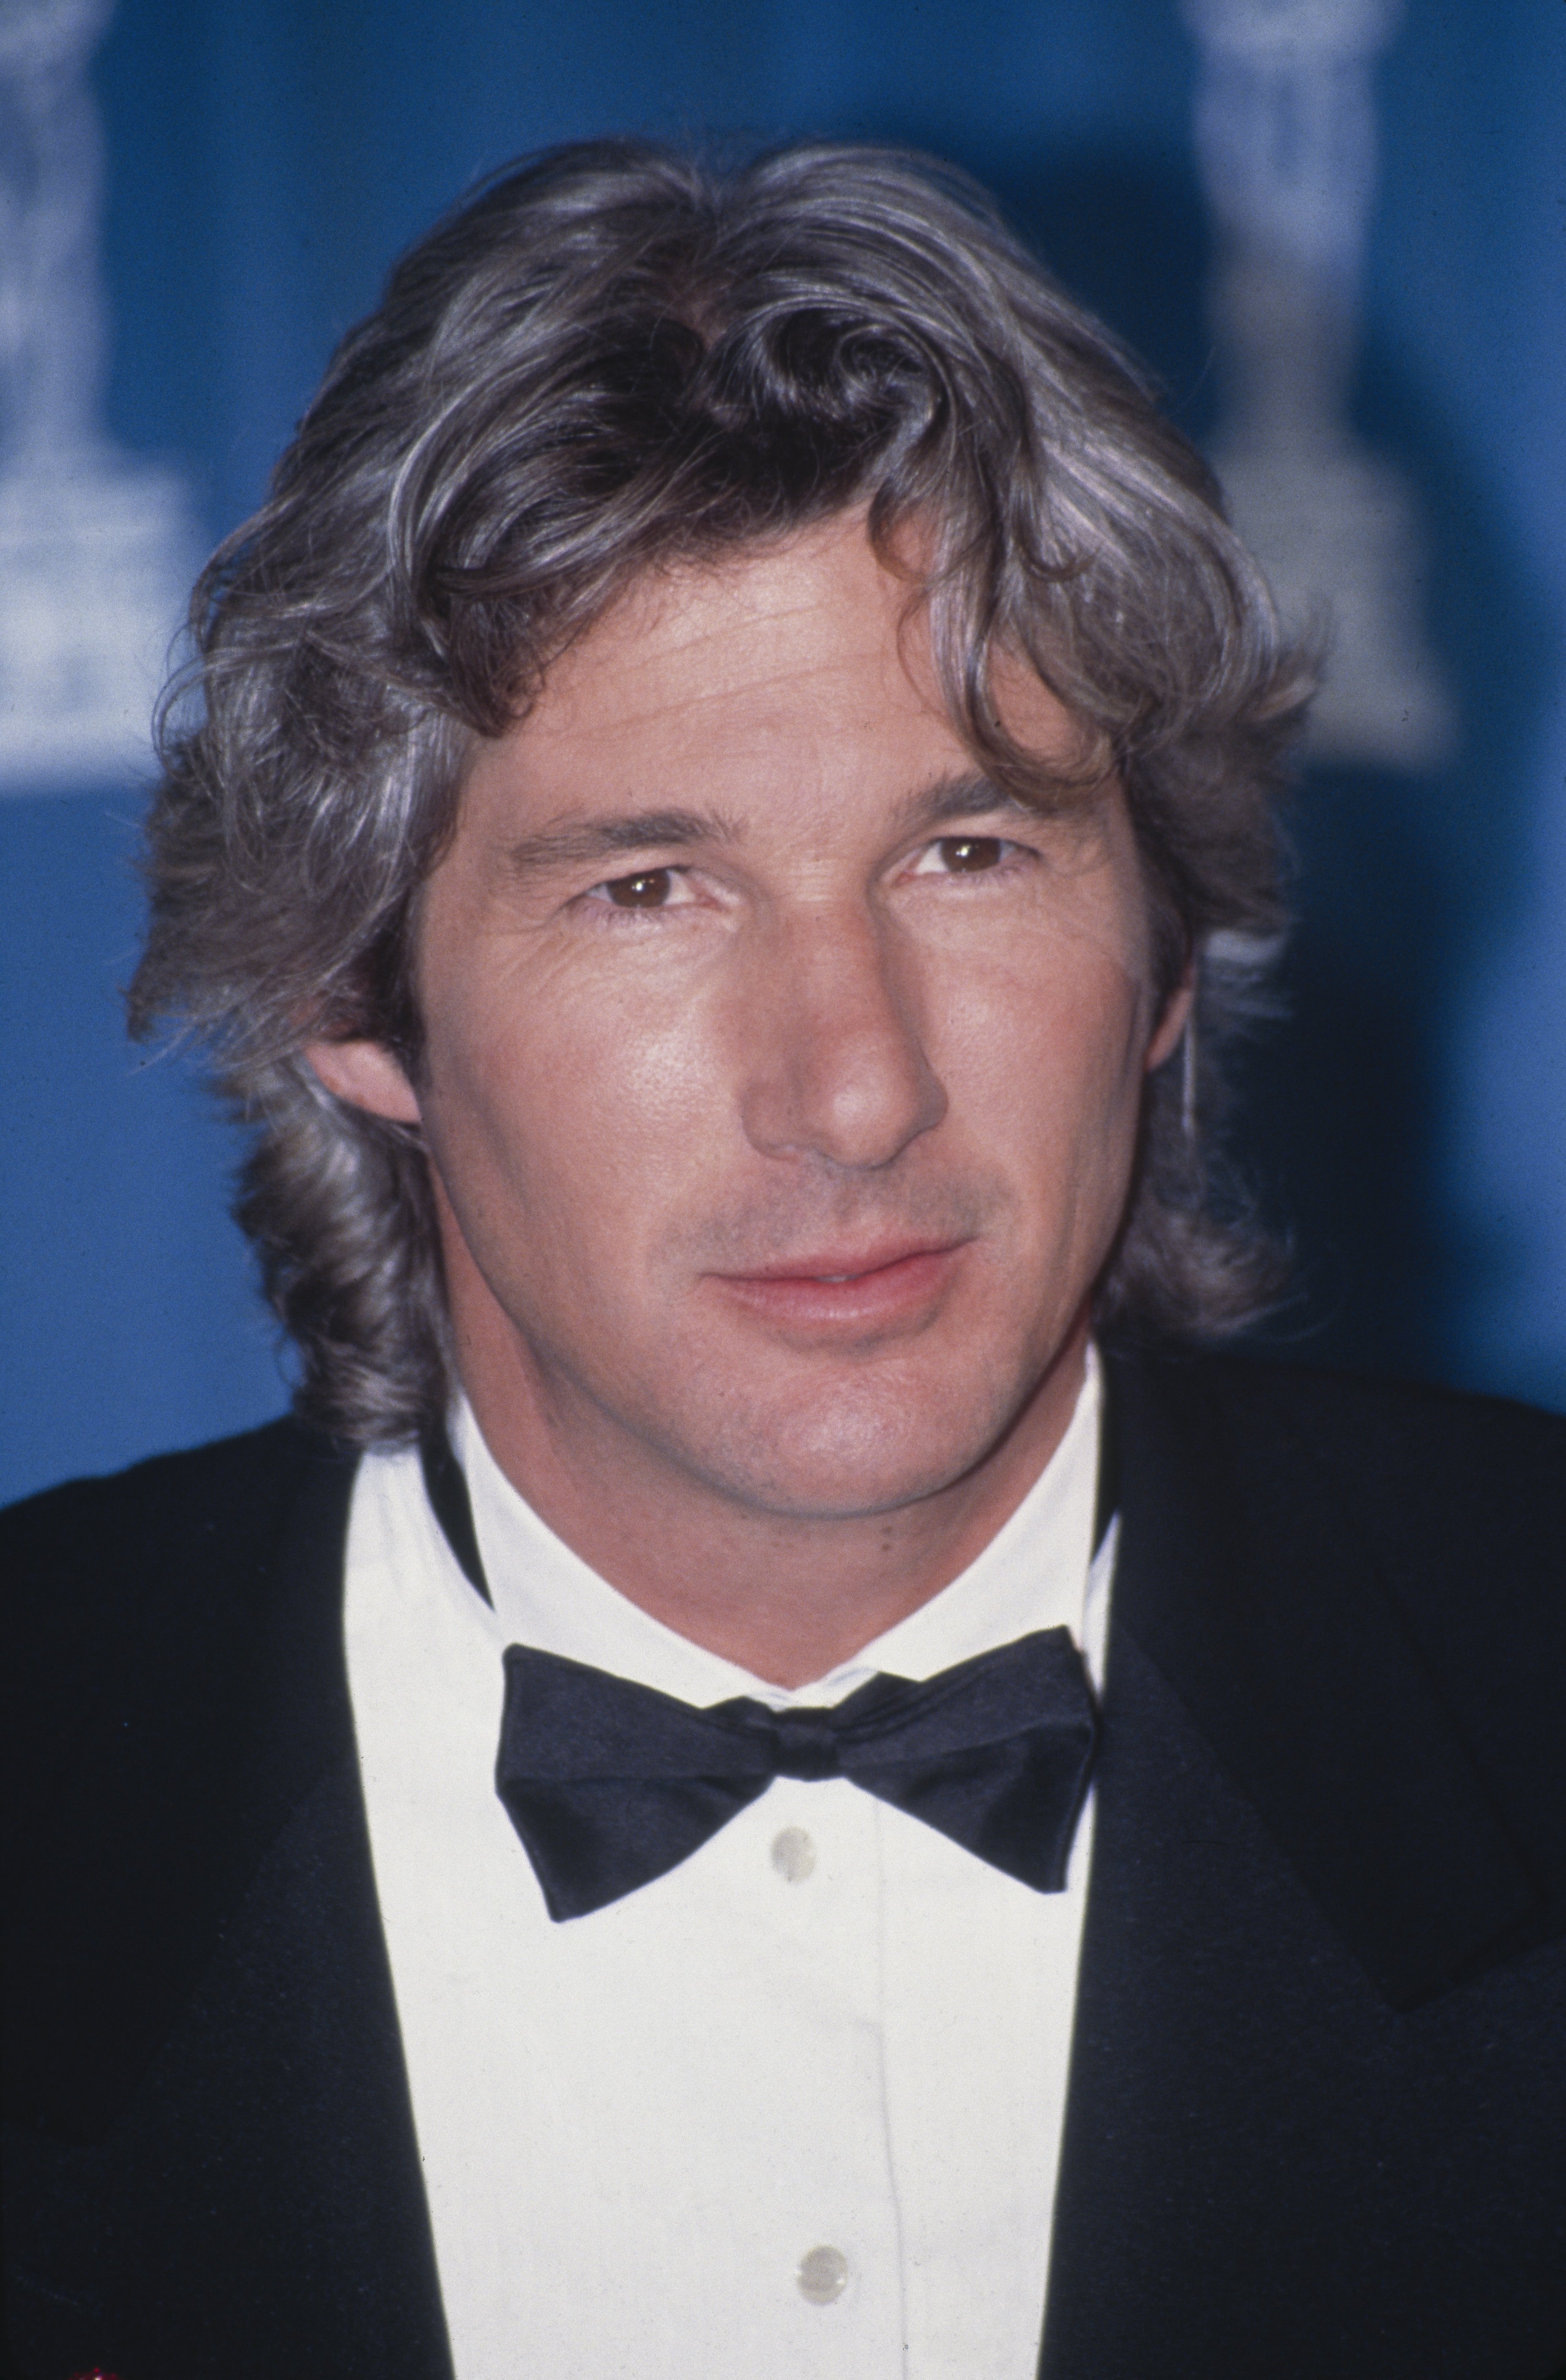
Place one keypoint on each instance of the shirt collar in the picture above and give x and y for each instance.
(1033, 1574)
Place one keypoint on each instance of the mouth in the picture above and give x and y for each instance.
(847, 1289)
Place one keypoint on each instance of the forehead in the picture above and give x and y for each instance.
(743, 642)
(801, 666)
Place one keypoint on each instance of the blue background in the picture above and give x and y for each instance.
(265, 162)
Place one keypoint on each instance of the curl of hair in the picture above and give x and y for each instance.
(610, 361)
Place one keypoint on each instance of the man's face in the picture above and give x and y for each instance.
(782, 1080)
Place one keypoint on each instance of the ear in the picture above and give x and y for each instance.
(1172, 1022)
(366, 1074)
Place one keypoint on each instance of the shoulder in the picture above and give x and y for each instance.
(173, 1503)
(183, 1544)
(174, 1685)
(1446, 1477)
(123, 1584)
(1297, 1481)
(1249, 1387)
(121, 1590)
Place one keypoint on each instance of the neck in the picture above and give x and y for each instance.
(784, 1596)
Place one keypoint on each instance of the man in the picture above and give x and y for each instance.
(767, 1779)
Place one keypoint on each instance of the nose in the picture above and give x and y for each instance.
(835, 1065)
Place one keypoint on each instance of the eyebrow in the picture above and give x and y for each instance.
(581, 843)
(959, 797)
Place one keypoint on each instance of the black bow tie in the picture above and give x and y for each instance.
(611, 1784)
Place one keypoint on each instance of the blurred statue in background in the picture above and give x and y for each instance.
(94, 550)
(1286, 139)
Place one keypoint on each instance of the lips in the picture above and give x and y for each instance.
(862, 1288)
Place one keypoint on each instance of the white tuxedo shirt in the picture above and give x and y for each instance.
(792, 2111)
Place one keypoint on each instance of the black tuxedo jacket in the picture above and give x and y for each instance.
(1317, 2127)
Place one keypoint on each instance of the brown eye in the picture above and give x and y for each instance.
(646, 892)
(965, 855)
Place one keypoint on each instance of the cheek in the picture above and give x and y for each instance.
(1049, 1049)
(563, 1099)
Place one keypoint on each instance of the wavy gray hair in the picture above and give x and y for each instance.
(615, 359)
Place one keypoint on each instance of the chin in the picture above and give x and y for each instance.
(857, 1452)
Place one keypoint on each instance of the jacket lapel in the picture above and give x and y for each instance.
(1295, 1859)
(1242, 1577)
(271, 2215)
(219, 2118)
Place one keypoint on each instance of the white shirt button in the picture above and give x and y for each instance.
(794, 1856)
(822, 2274)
